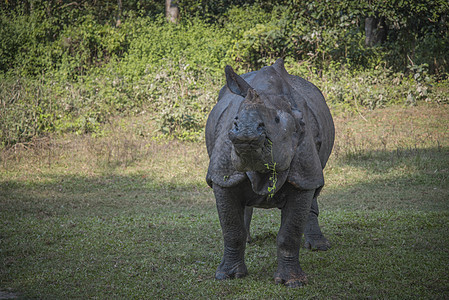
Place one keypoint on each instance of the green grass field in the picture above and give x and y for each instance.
(126, 216)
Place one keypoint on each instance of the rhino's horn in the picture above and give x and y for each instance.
(235, 83)
(252, 97)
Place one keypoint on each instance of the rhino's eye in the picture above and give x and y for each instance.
(276, 119)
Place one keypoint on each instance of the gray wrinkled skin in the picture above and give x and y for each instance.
(268, 138)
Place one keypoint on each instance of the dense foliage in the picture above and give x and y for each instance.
(71, 66)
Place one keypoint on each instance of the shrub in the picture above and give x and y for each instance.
(71, 67)
(262, 39)
(27, 109)
(371, 89)
(200, 46)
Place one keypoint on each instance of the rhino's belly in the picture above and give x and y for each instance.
(277, 201)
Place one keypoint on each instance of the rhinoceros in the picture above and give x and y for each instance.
(268, 139)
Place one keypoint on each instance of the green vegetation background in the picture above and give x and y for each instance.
(72, 66)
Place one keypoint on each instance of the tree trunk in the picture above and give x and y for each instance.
(119, 14)
(375, 31)
(171, 11)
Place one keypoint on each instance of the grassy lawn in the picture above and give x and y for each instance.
(125, 216)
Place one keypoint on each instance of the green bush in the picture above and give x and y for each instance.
(260, 39)
(28, 109)
(343, 87)
(25, 42)
(87, 45)
(199, 46)
(182, 107)
(72, 66)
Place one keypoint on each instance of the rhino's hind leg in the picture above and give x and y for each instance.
(248, 216)
(313, 237)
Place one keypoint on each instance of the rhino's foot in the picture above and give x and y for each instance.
(237, 272)
(291, 280)
(316, 242)
(289, 272)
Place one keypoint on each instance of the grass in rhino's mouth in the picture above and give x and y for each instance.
(268, 148)
(271, 167)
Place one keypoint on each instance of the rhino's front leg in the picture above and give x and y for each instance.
(294, 218)
(230, 212)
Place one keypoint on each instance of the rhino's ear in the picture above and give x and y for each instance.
(235, 83)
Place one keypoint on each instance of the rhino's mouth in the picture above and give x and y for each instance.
(253, 156)
(248, 147)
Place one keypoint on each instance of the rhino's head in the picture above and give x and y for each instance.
(265, 131)
(266, 128)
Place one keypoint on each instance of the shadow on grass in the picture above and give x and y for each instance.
(421, 159)
(65, 194)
